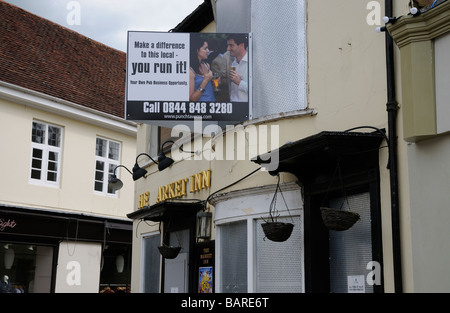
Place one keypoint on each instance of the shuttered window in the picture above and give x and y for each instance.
(234, 257)
(279, 265)
(351, 250)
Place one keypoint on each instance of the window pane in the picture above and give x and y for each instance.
(99, 165)
(100, 149)
(36, 174)
(98, 186)
(36, 163)
(114, 150)
(37, 153)
(99, 175)
(53, 156)
(54, 136)
(38, 133)
(52, 176)
(53, 166)
(233, 242)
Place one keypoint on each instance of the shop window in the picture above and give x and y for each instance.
(25, 268)
(151, 263)
(115, 269)
(46, 142)
(107, 157)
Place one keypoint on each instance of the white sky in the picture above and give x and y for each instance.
(108, 21)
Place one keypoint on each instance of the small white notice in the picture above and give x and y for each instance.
(355, 284)
(173, 289)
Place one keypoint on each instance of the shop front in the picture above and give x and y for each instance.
(339, 171)
(45, 251)
(221, 244)
(173, 257)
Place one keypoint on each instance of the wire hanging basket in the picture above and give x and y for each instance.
(167, 251)
(338, 219)
(272, 228)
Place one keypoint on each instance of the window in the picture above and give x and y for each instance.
(25, 268)
(46, 143)
(107, 157)
(279, 75)
(234, 257)
(246, 261)
(151, 263)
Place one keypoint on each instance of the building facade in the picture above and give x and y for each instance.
(336, 124)
(63, 133)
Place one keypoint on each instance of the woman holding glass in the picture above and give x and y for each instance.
(200, 75)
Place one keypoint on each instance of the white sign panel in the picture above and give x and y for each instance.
(183, 76)
(356, 284)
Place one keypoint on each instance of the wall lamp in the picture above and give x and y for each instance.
(137, 172)
(163, 161)
(115, 183)
(203, 225)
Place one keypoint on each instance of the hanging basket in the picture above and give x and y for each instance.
(277, 231)
(337, 219)
(169, 252)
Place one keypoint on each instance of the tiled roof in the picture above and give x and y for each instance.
(43, 56)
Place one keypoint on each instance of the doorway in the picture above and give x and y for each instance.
(176, 271)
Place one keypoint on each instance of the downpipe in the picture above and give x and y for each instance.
(392, 108)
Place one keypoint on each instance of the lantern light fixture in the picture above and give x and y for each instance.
(204, 225)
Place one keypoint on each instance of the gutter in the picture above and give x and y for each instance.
(392, 108)
(41, 101)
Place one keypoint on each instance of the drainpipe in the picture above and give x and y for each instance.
(392, 108)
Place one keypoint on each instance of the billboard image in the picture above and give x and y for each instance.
(181, 76)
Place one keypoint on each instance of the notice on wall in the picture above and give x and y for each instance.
(183, 76)
(356, 284)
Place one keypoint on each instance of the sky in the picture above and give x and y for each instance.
(108, 21)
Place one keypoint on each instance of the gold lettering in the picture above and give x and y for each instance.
(206, 181)
(171, 188)
(206, 256)
(159, 197)
(183, 186)
(165, 191)
(178, 188)
(196, 182)
(143, 200)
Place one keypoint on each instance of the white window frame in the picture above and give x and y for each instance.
(107, 162)
(142, 260)
(230, 210)
(46, 150)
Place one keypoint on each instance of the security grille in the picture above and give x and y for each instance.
(279, 56)
(151, 261)
(351, 250)
(279, 265)
(234, 257)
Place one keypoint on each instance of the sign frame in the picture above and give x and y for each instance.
(159, 76)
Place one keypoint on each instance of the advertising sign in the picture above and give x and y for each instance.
(182, 76)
